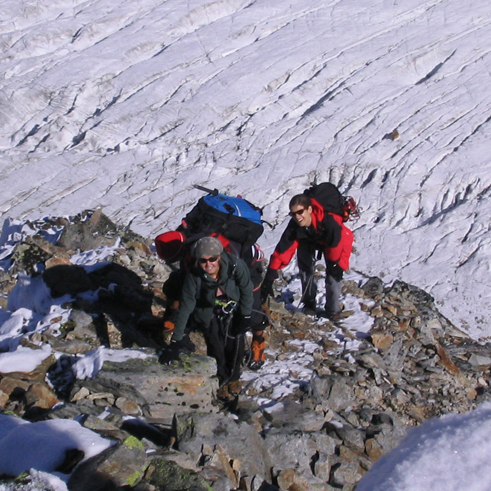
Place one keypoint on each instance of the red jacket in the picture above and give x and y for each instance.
(327, 230)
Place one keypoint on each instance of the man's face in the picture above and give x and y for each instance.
(210, 264)
(302, 215)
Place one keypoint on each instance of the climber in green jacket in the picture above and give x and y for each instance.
(216, 298)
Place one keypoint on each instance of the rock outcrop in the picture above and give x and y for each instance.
(171, 432)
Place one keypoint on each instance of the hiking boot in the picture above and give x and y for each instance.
(309, 308)
(235, 388)
(257, 347)
(309, 311)
(334, 316)
(256, 365)
(223, 394)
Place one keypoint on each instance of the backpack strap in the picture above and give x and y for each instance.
(199, 284)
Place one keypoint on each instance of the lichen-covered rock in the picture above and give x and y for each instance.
(121, 465)
(160, 390)
(239, 440)
(165, 474)
(88, 231)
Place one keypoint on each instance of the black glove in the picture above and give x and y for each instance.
(244, 324)
(187, 346)
(335, 270)
(267, 286)
(171, 353)
(266, 291)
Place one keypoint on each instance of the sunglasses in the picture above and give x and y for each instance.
(204, 260)
(298, 212)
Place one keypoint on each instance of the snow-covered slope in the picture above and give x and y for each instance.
(126, 105)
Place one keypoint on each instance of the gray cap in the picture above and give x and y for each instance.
(207, 246)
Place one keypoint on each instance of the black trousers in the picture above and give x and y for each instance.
(226, 347)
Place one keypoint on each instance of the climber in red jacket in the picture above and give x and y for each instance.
(312, 231)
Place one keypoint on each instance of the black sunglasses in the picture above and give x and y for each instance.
(204, 260)
(298, 212)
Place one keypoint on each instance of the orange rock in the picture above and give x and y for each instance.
(445, 361)
(39, 395)
(373, 449)
(381, 339)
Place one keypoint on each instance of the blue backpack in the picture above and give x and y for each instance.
(233, 217)
(234, 206)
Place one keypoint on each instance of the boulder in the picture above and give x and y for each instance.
(165, 474)
(239, 440)
(123, 464)
(160, 390)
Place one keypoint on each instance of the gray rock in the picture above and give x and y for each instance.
(387, 430)
(161, 390)
(293, 416)
(346, 473)
(165, 474)
(82, 320)
(352, 437)
(322, 467)
(297, 450)
(332, 391)
(373, 287)
(480, 361)
(121, 465)
(93, 230)
(394, 358)
(239, 440)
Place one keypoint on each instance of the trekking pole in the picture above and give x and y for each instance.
(237, 340)
(315, 258)
(227, 309)
(306, 289)
(247, 352)
(236, 353)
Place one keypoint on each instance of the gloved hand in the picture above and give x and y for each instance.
(171, 353)
(266, 290)
(267, 286)
(170, 317)
(169, 326)
(187, 346)
(334, 270)
(244, 324)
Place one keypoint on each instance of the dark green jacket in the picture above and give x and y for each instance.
(234, 280)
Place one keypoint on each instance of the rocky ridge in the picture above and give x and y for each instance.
(170, 431)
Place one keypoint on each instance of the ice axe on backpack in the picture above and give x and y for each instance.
(215, 196)
(214, 192)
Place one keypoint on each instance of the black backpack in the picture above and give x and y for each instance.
(331, 199)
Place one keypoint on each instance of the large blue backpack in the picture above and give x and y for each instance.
(233, 217)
